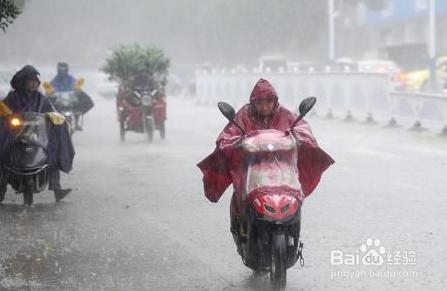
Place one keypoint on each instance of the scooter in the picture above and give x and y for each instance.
(268, 238)
(71, 104)
(65, 103)
(135, 113)
(159, 113)
(25, 165)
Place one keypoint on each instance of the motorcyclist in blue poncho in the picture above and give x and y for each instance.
(25, 97)
(63, 81)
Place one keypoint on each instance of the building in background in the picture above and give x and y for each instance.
(398, 32)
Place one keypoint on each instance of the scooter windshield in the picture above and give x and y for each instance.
(65, 100)
(30, 127)
(271, 161)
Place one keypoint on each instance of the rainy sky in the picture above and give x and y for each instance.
(83, 32)
(223, 33)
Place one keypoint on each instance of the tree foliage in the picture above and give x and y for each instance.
(138, 66)
(20, 4)
(8, 12)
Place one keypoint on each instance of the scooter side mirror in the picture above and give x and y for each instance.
(306, 105)
(136, 93)
(227, 110)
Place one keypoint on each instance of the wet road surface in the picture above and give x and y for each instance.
(137, 218)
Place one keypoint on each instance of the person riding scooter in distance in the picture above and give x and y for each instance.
(64, 82)
(223, 166)
(26, 98)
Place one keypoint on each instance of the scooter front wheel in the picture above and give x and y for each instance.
(162, 130)
(278, 265)
(122, 131)
(149, 129)
(28, 191)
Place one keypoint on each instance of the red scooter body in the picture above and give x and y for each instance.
(159, 111)
(131, 115)
(140, 112)
(159, 115)
(268, 235)
(267, 232)
(276, 207)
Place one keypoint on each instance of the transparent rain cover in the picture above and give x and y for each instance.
(33, 129)
(271, 158)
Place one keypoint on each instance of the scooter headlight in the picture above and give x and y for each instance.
(269, 208)
(275, 207)
(285, 208)
(147, 100)
(15, 122)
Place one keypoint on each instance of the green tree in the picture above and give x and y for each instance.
(9, 10)
(138, 66)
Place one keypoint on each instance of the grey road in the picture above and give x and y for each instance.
(138, 219)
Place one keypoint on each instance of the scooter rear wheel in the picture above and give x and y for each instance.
(278, 265)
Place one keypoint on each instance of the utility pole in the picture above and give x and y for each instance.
(331, 20)
(432, 45)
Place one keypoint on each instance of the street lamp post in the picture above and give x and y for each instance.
(332, 15)
(331, 18)
(432, 44)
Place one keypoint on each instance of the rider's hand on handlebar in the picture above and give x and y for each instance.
(55, 117)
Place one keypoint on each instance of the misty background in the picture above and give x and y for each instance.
(223, 33)
(83, 31)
